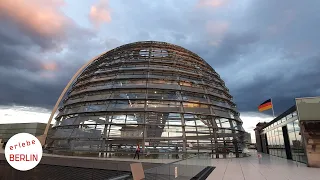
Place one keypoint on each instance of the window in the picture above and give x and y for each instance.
(280, 131)
(162, 94)
(192, 105)
(194, 97)
(294, 113)
(225, 123)
(296, 125)
(160, 81)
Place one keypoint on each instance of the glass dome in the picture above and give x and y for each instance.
(155, 95)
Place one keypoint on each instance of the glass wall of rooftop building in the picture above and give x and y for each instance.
(283, 137)
(155, 95)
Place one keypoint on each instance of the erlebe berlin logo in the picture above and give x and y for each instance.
(23, 151)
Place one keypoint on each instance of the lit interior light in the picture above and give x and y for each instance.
(155, 92)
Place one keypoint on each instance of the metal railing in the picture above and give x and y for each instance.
(51, 172)
(186, 168)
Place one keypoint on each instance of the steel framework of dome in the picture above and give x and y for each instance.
(159, 96)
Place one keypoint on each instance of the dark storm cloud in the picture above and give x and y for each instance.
(233, 46)
(37, 62)
(8, 35)
(14, 48)
(14, 33)
(33, 77)
(261, 49)
(228, 50)
(16, 89)
(282, 87)
(284, 63)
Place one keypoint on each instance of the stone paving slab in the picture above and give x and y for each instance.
(269, 168)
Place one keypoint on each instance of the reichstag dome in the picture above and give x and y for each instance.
(155, 95)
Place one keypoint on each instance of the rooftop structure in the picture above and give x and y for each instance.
(9, 130)
(294, 134)
(159, 96)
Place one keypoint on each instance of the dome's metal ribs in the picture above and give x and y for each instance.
(155, 94)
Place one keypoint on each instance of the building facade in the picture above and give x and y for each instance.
(155, 95)
(247, 138)
(293, 134)
(9, 130)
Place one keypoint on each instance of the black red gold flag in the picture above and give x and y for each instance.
(265, 105)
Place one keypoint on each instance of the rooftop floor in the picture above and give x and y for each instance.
(247, 168)
(269, 168)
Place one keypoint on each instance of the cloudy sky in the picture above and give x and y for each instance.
(261, 48)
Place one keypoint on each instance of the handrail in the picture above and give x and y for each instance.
(122, 177)
(177, 161)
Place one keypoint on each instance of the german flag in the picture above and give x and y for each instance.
(265, 105)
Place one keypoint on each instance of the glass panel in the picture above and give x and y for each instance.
(280, 131)
(93, 107)
(91, 119)
(290, 127)
(163, 105)
(62, 133)
(294, 113)
(162, 118)
(190, 119)
(163, 94)
(235, 124)
(132, 131)
(218, 122)
(172, 131)
(194, 97)
(296, 125)
(225, 123)
(86, 131)
(281, 142)
(129, 94)
(135, 118)
(67, 121)
(196, 108)
(118, 119)
(160, 81)
(129, 104)
(298, 147)
(126, 118)
(276, 145)
(100, 128)
(275, 132)
(271, 142)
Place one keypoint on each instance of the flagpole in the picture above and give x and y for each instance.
(272, 108)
